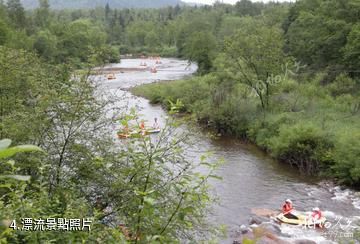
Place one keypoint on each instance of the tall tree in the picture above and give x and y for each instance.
(254, 56)
(352, 50)
(246, 7)
(16, 13)
(107, 11)
(318, 31)
(200, 48)
(4, 31)
(42, 14)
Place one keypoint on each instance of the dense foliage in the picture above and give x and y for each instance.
(322, 33)
(141, 191)
(284, 77)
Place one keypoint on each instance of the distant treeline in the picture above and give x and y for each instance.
(88, 4)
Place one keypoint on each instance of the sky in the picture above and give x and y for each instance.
(226, 1)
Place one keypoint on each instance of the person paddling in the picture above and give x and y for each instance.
(156, 125)
(142, 125)
(142, 128)
(287, 208)
(316, 214)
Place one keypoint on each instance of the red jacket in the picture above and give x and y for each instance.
(287, 208)
(316, 215)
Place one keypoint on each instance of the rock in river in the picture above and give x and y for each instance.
(257, 220)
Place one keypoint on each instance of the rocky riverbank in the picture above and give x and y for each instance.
(262, 229)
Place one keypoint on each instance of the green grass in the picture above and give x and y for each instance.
(307, 124)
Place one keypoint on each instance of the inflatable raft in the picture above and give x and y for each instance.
(152, 131)
(133, 134)
(301, 218)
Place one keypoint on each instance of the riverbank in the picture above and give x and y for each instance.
(306, 125)
(251, 179)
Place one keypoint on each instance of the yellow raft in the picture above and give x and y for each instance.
(132, 134)
(303, 219)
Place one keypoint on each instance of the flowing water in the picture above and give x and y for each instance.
(251, 180)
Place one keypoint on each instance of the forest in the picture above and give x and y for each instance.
(88, 4)
(283, 76)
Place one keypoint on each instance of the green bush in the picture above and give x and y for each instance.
(191, 92)
(343, 84)
(304, 145)
(300, 126)
(234, 116)
(124, 49)
(347, 155)
(168, 52)
(261, 132)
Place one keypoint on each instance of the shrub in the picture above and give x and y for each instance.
(168, 52)
(303, 145)
(347, 155)
(343, 84)
(261, 132)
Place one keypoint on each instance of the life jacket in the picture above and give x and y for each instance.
(316, 215)
(287, 208)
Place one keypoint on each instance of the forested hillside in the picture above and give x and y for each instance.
(284, 77)
(58, 159)
(88, 4)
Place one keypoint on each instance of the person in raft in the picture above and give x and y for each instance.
(287, 208)
(126, 129)
(142, 125)
(156, 125)
(316, 214)
(142, 128)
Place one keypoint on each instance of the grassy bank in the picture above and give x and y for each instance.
(310, 125)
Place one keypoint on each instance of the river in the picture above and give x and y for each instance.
(251, 180)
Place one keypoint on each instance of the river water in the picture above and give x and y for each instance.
(251, 180)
